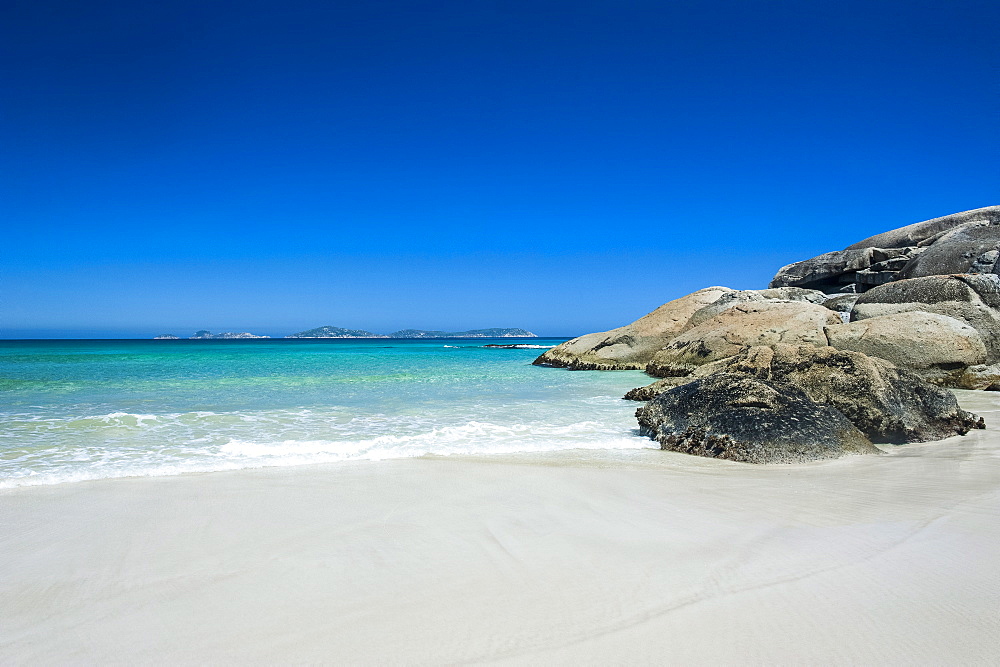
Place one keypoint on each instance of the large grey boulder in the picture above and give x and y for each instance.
(928, 230)
(832, 270)
(969, 248)
(958, 243)
(633, 345)
(735, 297)
(970, 298)
(746, 419)
(936, 347)
(739, 328)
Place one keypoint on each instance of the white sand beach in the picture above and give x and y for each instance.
(623, 557)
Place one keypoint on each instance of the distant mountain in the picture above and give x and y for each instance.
(334, 332)
(208, 335)
(419, 333)
(474, 333)
(338, 332)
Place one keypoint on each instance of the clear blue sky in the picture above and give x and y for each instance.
(559, 166)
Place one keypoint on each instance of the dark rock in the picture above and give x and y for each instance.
(742, 418)
(986, 263)
(958, 243)
(894, 264)
(825, 272)
(650, 390)
(888, 404)
(868, 277)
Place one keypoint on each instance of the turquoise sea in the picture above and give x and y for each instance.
(74, 410)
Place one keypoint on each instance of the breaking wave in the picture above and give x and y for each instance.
(136, 445)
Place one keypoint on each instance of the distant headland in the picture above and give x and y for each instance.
(338, 332)
(208, 335)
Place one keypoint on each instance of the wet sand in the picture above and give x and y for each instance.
(585, 557)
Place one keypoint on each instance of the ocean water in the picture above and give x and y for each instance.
(79, 410)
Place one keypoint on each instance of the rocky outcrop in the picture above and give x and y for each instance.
(739, 328)
(972, 299)
(959, 243)
(736, 297)
(936, 347)
(742, 418)
(633, 345)
(970, 248)
(926, 232)
(833, 271)
(749, 375)
(888, 404)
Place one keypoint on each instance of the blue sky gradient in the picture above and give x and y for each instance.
(559, 166)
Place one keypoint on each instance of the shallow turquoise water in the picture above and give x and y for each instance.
(75, 410)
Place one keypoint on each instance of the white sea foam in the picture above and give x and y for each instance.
(472, 438)
(209, 442)
(125, 418)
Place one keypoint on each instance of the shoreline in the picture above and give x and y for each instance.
(592, 557)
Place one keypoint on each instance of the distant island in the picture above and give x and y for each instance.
(208, 335)
(227, 335)
(338, 332)
(335, 332)
(474, 333)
